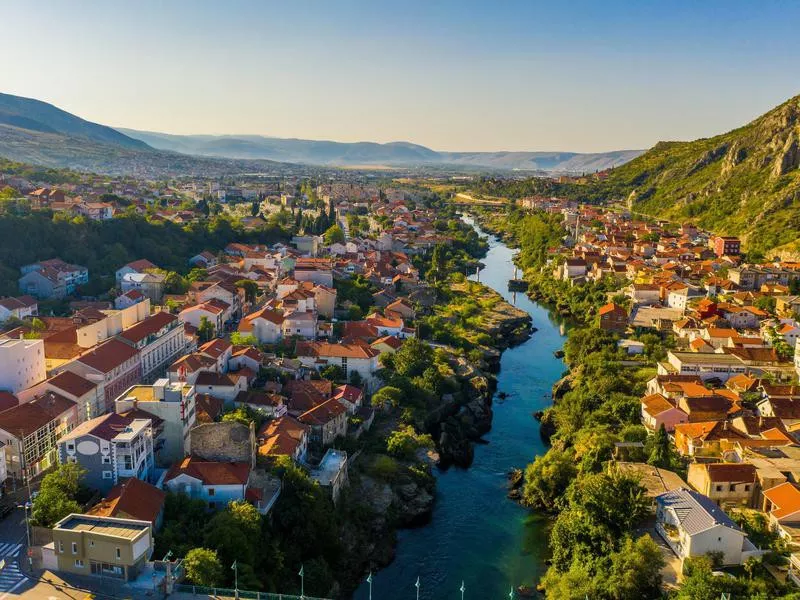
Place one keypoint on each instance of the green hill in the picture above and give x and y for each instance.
(745, 182)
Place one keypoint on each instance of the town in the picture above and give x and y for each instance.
(203, 385)
(712, 339)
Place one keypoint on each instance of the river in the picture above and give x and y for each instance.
(476, 534)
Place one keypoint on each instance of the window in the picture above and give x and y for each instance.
(60, 546)
(212, 505)
(210, 491)
(747, 488)
(106, 460)
(78, 563)
(732, 487)
(719, 488)
(107, 475)
(74, 547)
(119, 554)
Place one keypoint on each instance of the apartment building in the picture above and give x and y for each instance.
(160, 340)
(22, 364)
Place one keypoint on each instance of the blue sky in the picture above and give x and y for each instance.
(528, 75)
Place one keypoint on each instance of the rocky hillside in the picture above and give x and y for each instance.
(745, 182)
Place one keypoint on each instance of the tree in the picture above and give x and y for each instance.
(250, 288)
(412, 358)
(332, 373)
(386, 397)
(206, 330)
(661, 452)
(203, 567)
(57, 495)
(438, 262)
(547, 478)
(333, 235)
(405, 441)
(355, 378)
(241, 339)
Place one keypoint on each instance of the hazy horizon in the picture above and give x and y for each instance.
(455, 76)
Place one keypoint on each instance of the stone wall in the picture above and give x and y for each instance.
(234, 442)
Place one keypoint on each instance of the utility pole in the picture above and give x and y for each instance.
(369, 581)
(235, 568)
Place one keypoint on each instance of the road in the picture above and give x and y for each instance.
(13, 550)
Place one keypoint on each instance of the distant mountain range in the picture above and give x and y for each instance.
(328, 153)
(39, 133)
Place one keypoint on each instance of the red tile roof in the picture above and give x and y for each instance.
(210, 472)
(72, 383)
(108, 356)
(131, 499)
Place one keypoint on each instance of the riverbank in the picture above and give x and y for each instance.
(471, 512)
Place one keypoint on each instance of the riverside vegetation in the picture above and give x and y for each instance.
(596, 544)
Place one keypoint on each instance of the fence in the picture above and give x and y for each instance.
(226, 592)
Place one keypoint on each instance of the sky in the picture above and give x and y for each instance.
(563, 75)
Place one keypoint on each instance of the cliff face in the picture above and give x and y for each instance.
(745, 182)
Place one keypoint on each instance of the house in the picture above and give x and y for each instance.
(110, 447)
(149, 284)
(52, 278)
(327, 422)
(350, 357)
(284, 436)
(187, 368)
(350, 396)
(782, 505)
(270, 405)
(115, 363)
(96, 211)
(132, 499)
(387, 343)
(215, 482)
(216, 311)
(18, 308)
(174, 405)
(727, 484)
(645, 294)
(29, 433)
(726, 245)
(703, 365)
(613, 317)
(266, 325)
(325, 300)
(300, 324)
(136, 267)
(22, 364)
(101, 546)
(128, 299)
(658, 410)
(220, 385)
(204, 260)
(159, 339)
(692, 525)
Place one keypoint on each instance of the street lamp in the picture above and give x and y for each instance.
(235, 567)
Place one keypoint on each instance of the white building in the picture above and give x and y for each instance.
(216, 483)
(693, 525)
(160, 340)
(174, 404)
(22, 364)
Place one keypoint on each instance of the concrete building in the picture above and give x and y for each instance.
(115, 363)
(22, 364)
(174, 404)
(111, 447)
(160, 340)
(102, 546)
(216, 483)
(29, 433)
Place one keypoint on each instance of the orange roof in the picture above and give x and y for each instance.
(785, 499)
(132, 499)
(211, 472)
(655, 404)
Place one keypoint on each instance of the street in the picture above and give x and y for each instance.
(13, 550)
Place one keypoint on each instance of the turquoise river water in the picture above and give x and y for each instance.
(476, 535)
